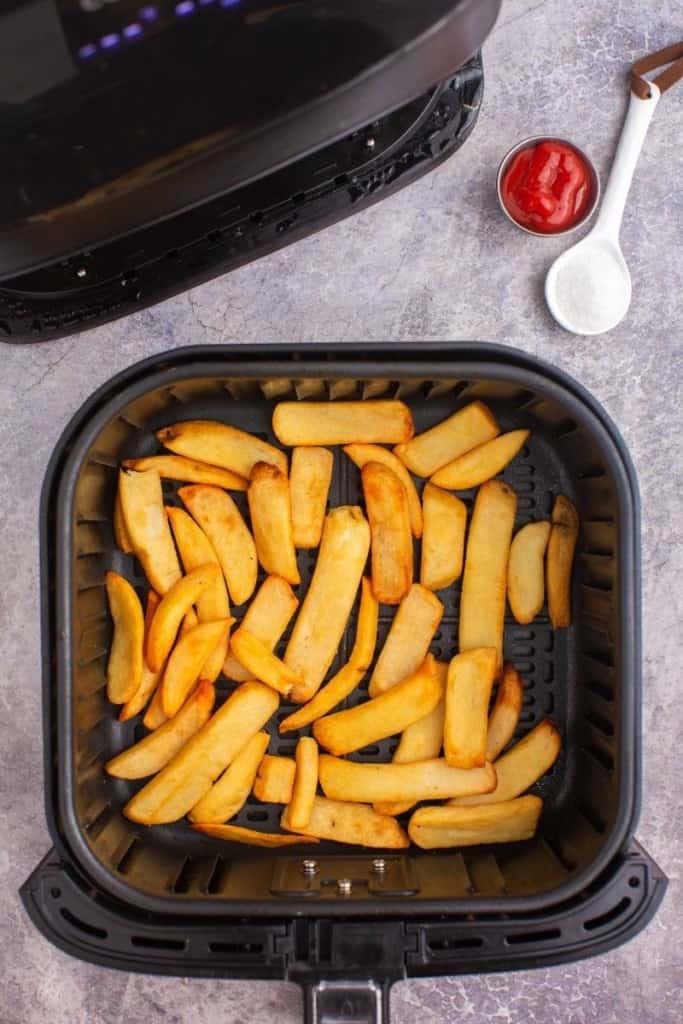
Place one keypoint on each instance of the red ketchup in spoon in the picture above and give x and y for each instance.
(547, 187)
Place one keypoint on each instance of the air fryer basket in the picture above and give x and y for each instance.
(587, 678)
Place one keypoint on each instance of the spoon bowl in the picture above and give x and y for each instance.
(588, 287)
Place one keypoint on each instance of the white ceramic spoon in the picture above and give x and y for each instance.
(588, 287)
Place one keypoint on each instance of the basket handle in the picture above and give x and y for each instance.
(347, 1002)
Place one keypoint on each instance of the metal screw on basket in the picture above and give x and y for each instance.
(344, 886)
(379, 865)
(81, 272)
(370, 142)
(309, 867)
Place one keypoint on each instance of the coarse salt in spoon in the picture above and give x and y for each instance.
(588, 287)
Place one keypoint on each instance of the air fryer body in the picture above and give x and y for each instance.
(116, 118)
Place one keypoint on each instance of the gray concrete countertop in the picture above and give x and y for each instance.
(437, 261)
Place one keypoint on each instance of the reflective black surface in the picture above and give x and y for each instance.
(116, 117)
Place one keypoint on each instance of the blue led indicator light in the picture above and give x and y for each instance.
(132, 31)
(87, 51)
(108, 42)
(230, 3)
(184, 8)
(149, 13)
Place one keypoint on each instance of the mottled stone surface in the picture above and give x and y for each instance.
(436, 261)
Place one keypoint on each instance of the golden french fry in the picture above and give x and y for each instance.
(361, 782)
(266, 618)
(360, 454)
(317, 423)
(174, 605)
(382, 716)
(468, 693)
(189, 622)
(149, 680)
(250, 837)
(421, 741)
(505, 712)
(189, 471)
(195, 550)
(262, 664)
(270, 508)
(220, 445)
(392, 541)
(348, 677)
(142, 503)
(229, 793)
(309, 482)
(154, 751)
(484, 585)
(124, 668)
(121, 537)
(481, 463)
(433, 828)
(190, 774)
(185, 663)
(352, 823)
(305, 784)
(325, 611)
(154, 715)
(454, 436)
(526, 583)
(443, 538)
(275, 779)
(522, 765)
(559, 560)
(221, 521)
(408, 640)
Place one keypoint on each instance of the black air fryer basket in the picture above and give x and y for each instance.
(170, 900)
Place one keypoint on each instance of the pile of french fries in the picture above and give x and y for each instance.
(454, 721)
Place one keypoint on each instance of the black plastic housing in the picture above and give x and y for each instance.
(587, 677)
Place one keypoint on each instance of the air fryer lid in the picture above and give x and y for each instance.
(192, 92)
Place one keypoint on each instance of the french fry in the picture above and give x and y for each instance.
(305, 784)
(482, 604)
(362, 782)
(195, 550)
(266, 618)
(559, 560)
(270, 508)
(188, 623)
(320, 423)
(149, 680)
(142, 503)
(421, 741)
(275, 779)
(154, 715)
(522, 765)
(220, 445)
(348, 677)
(392, 541)
(229, 793)
(360, 454)
(124, 668)
(123, 541)
(526, 583)
(220, 519)
(505, 713)
(382, 716)
(185, 663)
(454, 436)
(408, 640)
(174, 605)
(154, 751)
(250, 837)
(443, 538)
(352, 823)
(433, 828)
(262, 664)
(190, 774)
(309, 482)
(189, 471)
(325, 611)
(481, 463)
(468, 693)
